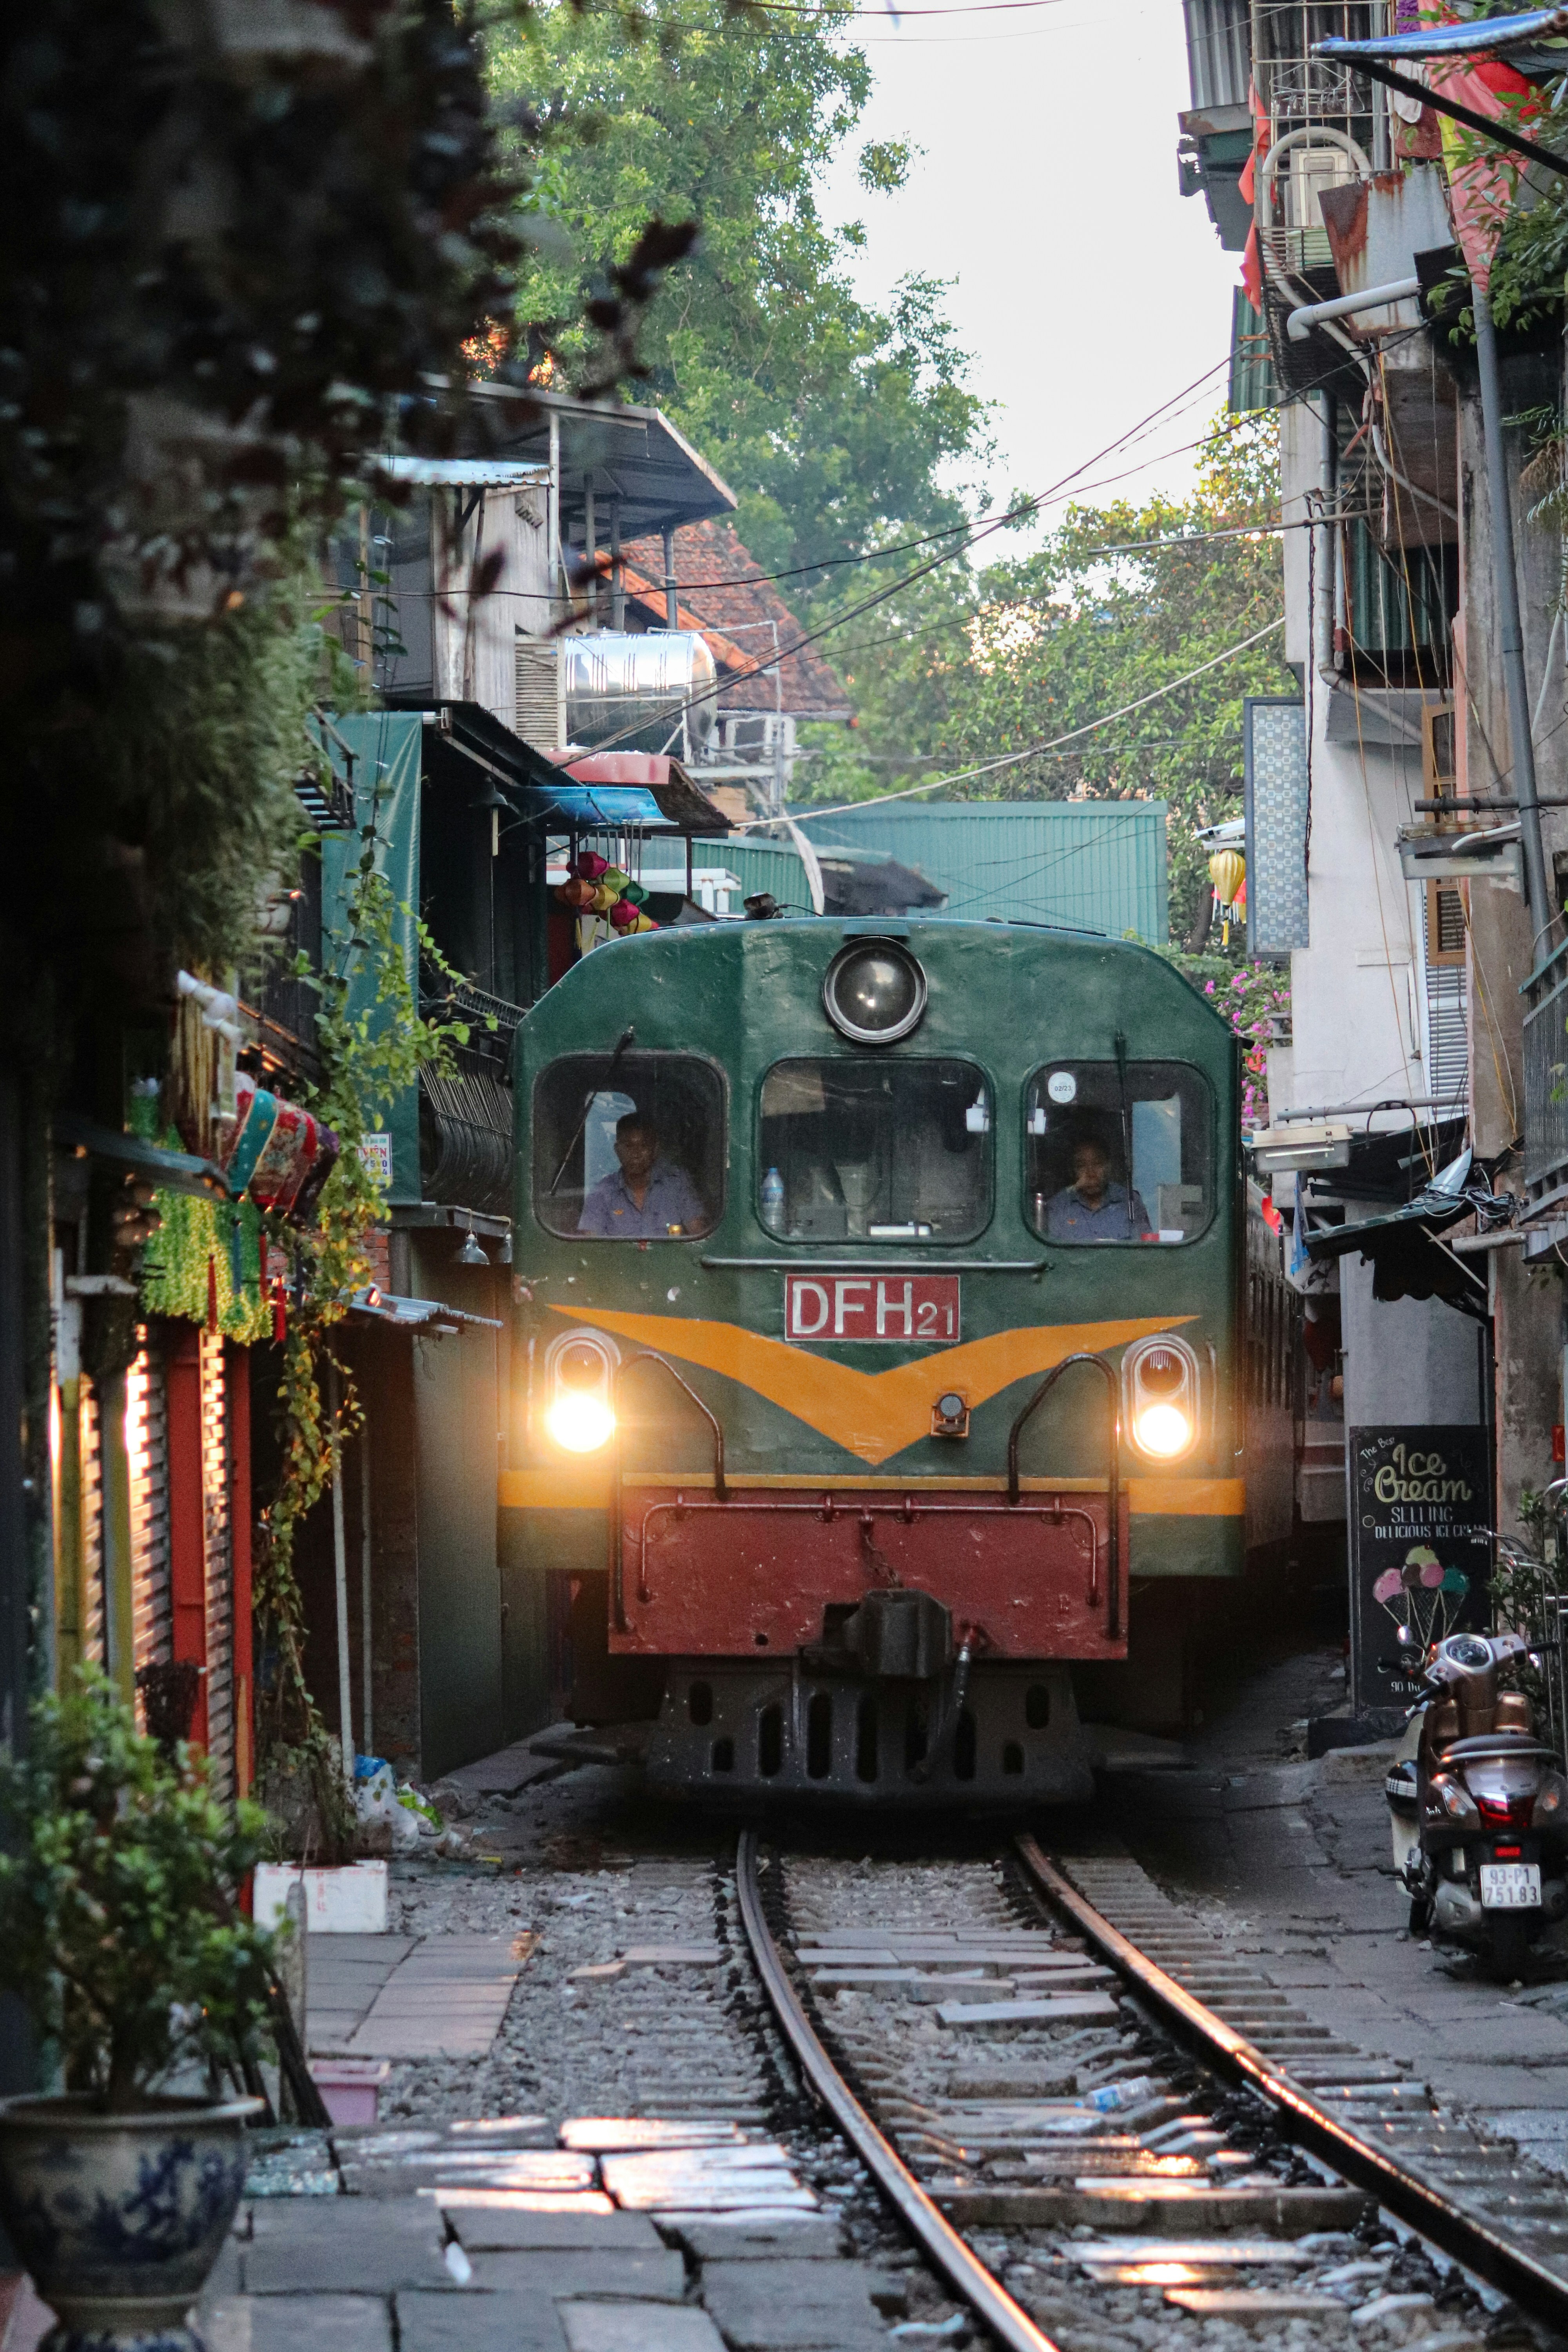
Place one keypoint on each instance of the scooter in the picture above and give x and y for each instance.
(1479, 1808)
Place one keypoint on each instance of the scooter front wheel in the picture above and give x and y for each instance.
(1509, 1934)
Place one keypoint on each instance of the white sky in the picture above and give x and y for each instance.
(1087, 290)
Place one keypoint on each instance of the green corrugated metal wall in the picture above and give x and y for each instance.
(1097, 865)
(772, 866)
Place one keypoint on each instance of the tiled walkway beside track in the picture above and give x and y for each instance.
(1289, 1864)
(486, 2212)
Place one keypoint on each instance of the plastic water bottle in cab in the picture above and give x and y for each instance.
(774, 1201)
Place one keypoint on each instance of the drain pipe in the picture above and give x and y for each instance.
(1345, 306)
(1509, 626)
(1326, 616)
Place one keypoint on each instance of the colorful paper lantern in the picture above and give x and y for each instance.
(255, 1117)
(589, 866)
(1227, 872)
(624, 915)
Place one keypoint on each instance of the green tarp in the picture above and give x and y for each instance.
(386, 748)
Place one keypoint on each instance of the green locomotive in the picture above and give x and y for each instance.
(878, 1293)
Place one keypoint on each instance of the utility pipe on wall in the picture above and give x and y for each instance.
(341, 1577)
(367, 1738)
(672, 608)
(1308, 315)
(1326, 545)
(1508, 625)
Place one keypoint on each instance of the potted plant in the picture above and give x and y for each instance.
(120, 1931)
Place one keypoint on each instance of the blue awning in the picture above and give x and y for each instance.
(1479, 36)
(599, 807)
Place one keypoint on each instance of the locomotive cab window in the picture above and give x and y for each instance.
(628, 1149)
(884, 1150)
(1118, 1152)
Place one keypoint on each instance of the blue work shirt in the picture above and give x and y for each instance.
(670, 1199)
(1069, 1218)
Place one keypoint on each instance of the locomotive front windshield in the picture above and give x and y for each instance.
(853, 1151)
(629, 1147)
(1088, 1123)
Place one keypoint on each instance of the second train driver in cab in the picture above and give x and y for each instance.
(1092, 1208)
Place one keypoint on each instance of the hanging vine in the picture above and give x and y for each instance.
(374, 1043)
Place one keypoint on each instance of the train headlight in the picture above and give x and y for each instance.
(874, 992)
(581, 1370)
(1164, 1430)
(1159, 1381)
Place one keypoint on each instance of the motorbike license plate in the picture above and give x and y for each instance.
(1511, 1885)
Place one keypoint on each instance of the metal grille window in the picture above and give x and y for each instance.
(1447, 1033)
(219, 1550)
(147, 1444)
(1447, 1022)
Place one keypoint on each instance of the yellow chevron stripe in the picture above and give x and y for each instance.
(872, 1414)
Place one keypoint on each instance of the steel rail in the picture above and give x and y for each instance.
(1467, 2236)
(939, 2240)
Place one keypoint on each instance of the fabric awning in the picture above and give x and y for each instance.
(1476, 36)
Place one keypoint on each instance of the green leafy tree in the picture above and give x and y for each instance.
(118, 1921)
(832, 419)
(962, 671)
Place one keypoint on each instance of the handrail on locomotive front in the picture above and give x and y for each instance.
(1055, 1511)
(650, 1356)
(1113, 1475)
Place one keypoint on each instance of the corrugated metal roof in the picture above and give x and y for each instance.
(771, 866)
(1089, 865)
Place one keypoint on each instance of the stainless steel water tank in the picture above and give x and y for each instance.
(649, 693)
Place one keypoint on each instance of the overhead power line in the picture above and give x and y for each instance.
(1033, 751)
(867, 604)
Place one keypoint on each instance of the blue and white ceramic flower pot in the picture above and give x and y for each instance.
(119, 2218)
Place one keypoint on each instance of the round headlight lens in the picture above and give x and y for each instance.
(1162, 1371)
(874, 992)
(580, 1422)
(580, 1365)
(1163, 1430)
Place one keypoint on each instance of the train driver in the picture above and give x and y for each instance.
(1091, 1208)
(647, 1198)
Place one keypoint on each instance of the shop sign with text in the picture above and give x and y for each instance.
(1420, 1507)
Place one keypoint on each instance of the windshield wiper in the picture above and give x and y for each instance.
(621, 1043)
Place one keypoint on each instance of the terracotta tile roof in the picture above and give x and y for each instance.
(735, 618)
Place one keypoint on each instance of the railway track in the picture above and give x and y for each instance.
(1088, 2113)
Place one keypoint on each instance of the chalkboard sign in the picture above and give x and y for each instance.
(1420, 1555)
